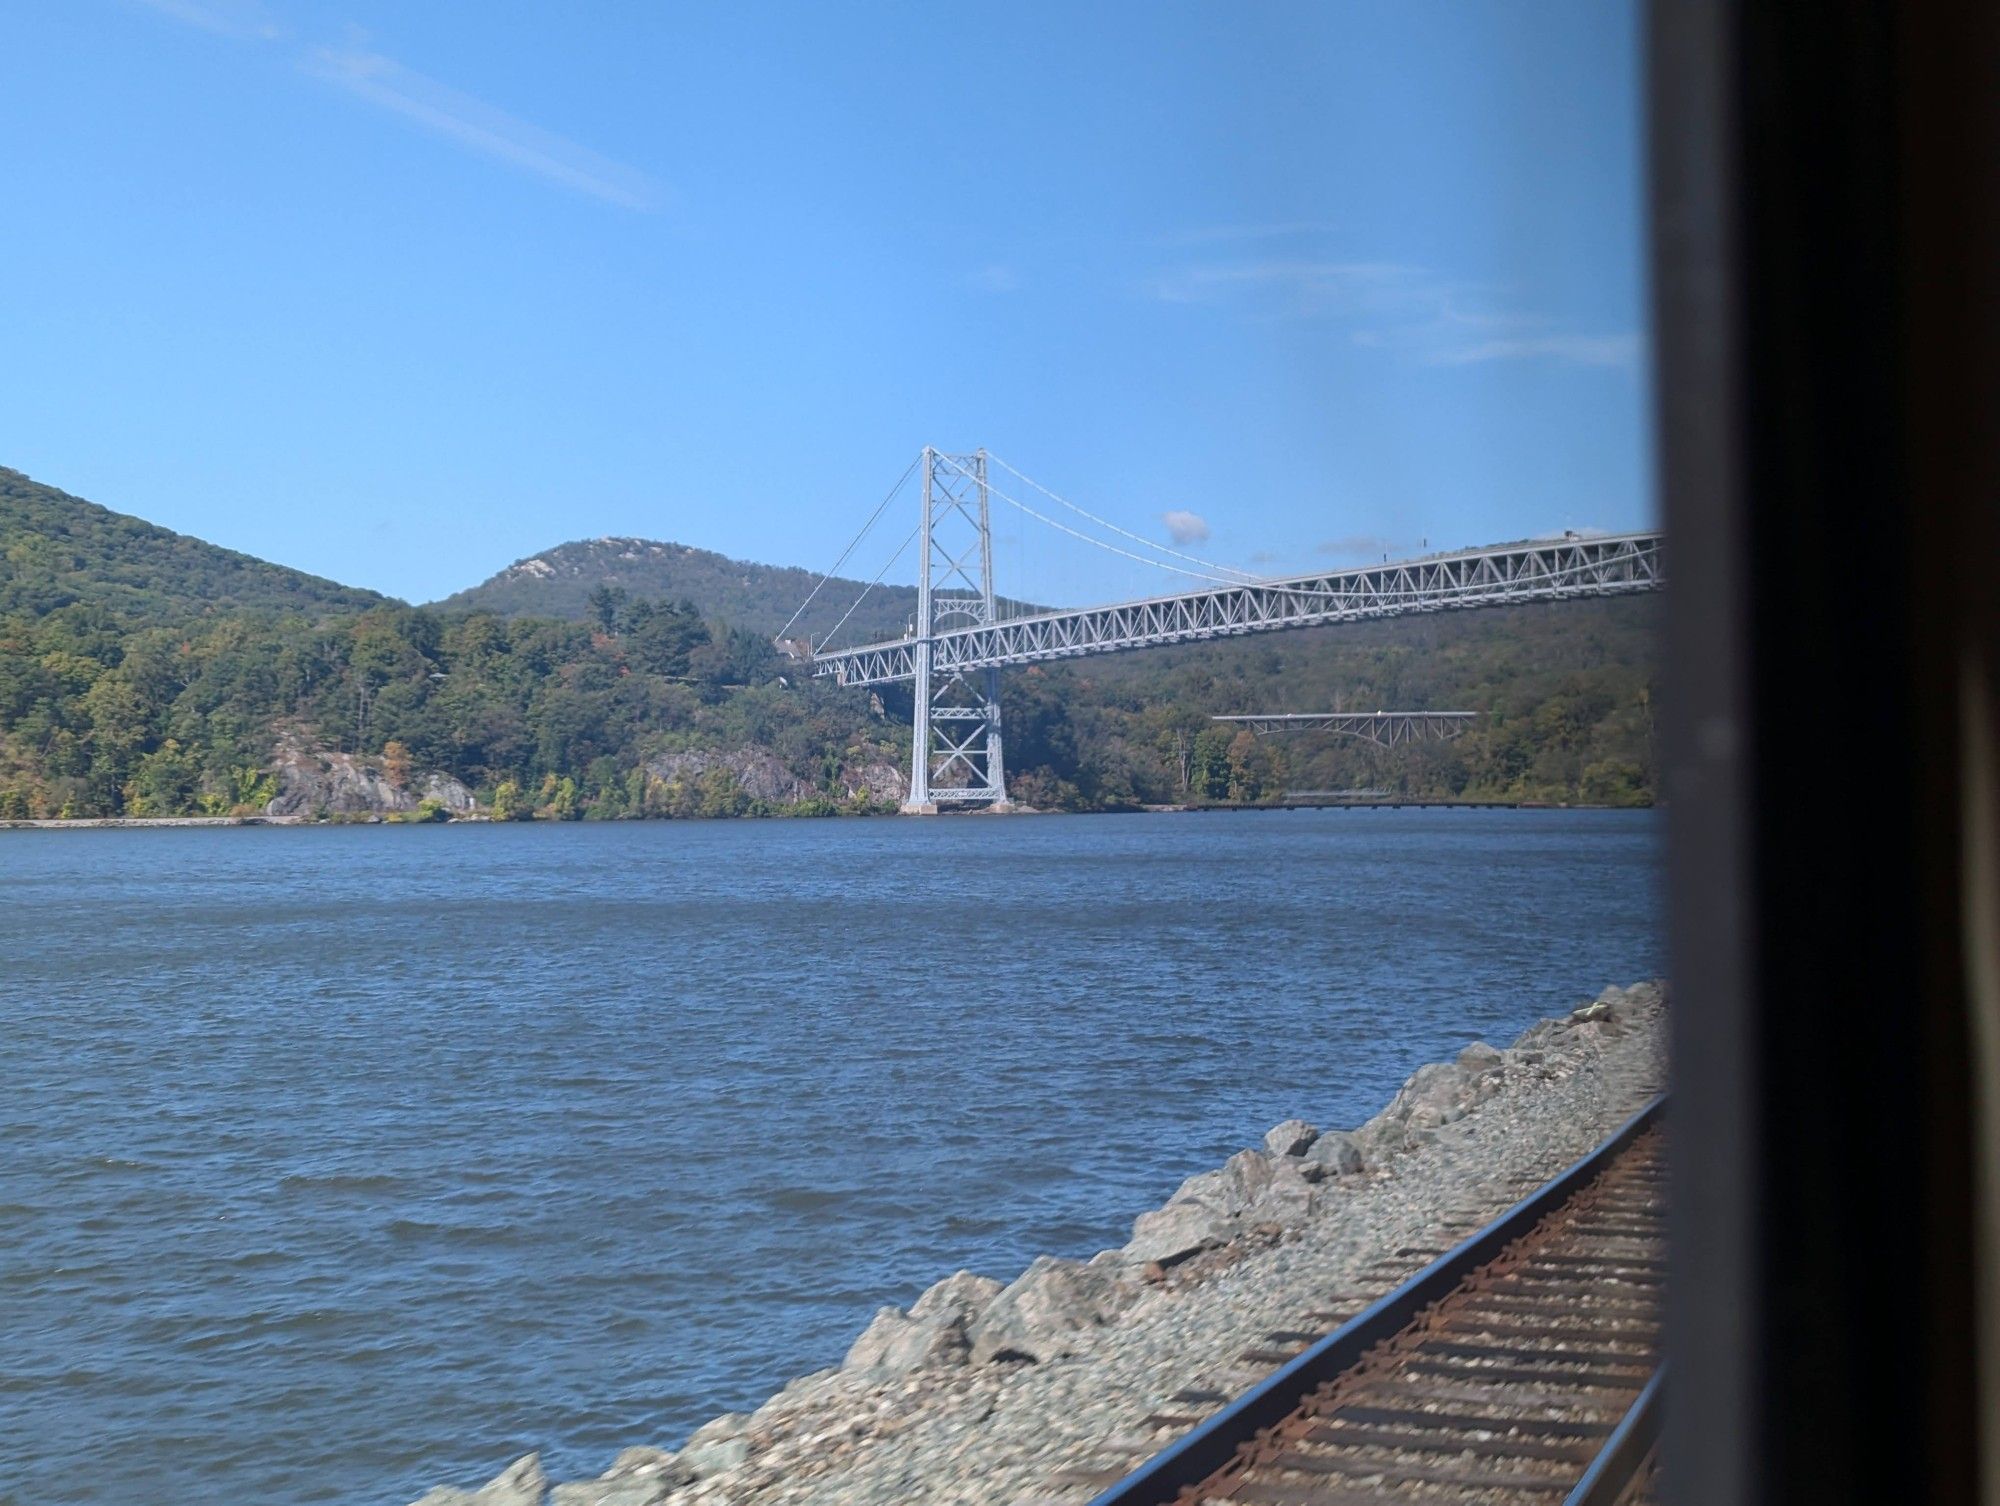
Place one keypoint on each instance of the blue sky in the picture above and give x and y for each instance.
(399, 294)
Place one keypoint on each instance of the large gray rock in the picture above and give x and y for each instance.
(961, 1295)
(521, 1483)
(606, 1491)
(447, 792)
(1205, 1212)
(1235, 1185)
(1480, 1058)
(1287, 1202)
(1049, 1310)
(1292, 1138)
(637, 1477)
(717, 1446)
(1182, 1228)
(933, 1332)
(1437, 1093)
(895, 1343)
(1333, 1154)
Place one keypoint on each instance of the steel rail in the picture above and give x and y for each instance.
(1631, 1443)
(1214, 1444)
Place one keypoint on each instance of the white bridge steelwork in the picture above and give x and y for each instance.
(956, 754)
(1560, 570)
(1387, 729)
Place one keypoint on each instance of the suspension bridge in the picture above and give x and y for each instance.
(963, 634)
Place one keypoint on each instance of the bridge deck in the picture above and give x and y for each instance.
(1544, 570)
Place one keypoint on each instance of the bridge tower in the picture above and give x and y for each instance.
(955, 754)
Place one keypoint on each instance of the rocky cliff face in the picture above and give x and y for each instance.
(757, 772)
(313, 780)
(762, 776)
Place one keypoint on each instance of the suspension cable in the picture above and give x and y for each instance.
(1074, 533)
(871, 586)
(1137, 538)
(853, 544)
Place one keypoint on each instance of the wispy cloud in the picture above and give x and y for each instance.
(389, 85)
(996, 277)
(1406, 311)
(1295, 287)
(1576, 350)
(245, 20)
(1185, 527)
(436, 106)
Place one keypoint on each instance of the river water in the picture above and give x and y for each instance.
(336, 1163)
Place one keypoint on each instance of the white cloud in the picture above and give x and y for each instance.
(389, 85)
(1402, 310)
(1185, 527)
(996, 277)
(386, 83)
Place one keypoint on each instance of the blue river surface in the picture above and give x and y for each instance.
(341, 1162)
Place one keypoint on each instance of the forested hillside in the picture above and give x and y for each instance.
(1564, 693)
(570, 581)
(57, 550)
(143, 673)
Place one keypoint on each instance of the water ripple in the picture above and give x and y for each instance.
(351, 1161)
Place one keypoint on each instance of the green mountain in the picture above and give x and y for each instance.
(144, 673)
(58, 551)
(562, 581)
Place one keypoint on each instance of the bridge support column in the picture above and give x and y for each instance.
(955, 754)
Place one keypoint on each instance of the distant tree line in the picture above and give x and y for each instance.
(99, 717)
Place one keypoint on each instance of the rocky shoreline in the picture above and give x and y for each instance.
(1044, 1389)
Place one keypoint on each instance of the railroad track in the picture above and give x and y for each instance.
(1519, 1369)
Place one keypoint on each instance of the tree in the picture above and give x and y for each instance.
(396, 764)
(162, 783)
(606, 602)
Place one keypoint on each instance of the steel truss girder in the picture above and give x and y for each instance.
(1386, 729)
(1615, 565)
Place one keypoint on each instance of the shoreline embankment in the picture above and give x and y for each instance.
(985, 1393)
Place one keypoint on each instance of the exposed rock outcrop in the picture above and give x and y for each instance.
(313, 780)
(758, 773)
(882, 783)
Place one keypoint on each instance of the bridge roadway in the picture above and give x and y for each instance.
(1541, 570)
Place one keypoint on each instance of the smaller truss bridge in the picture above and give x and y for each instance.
(1386, 729)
